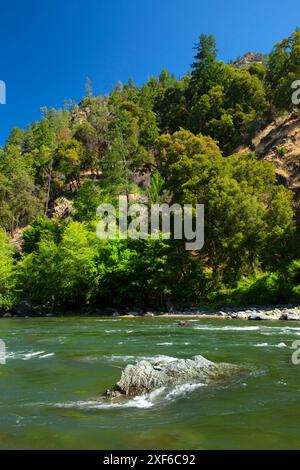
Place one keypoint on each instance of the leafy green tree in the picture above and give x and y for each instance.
(244, 211)
(155, 191)
(283, 69)
(67, 160)
(7, 279)
(88, 198)
(125, 154)
(41, 229)
(171, 148)
(63, 273)
(21, 200)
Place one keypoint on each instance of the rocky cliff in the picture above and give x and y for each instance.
(279, 142)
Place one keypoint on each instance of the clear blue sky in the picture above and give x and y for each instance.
(48, 48)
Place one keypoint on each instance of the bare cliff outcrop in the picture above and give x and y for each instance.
(279, 142)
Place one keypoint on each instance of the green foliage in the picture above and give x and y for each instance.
(261, 289)
(7, 279)
(269, 288)
(67, 159)
(19, 197)
(281, 151)
(283, 70)
(155, 191)
(41, 228)
(229, 101)
(64, 272)
(88, 198)
(244, 212)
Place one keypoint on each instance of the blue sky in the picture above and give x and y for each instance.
(48, 48)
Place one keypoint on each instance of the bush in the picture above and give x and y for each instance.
(7, 282)
(263, 289)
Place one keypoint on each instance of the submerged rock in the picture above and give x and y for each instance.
(260, 316)
(146, 376)
(290, 317)
(184, 323)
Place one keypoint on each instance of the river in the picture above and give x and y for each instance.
(56, 368)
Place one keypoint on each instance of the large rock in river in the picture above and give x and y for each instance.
(146, 376)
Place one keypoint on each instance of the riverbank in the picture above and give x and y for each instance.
(253, 313)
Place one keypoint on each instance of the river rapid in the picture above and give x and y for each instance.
(57, 368)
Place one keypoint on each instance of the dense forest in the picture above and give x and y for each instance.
(170, 140)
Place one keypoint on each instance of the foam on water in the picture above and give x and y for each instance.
(279, 345)
(183, 389)
(227, 328)
(125, 358)
(145, 401)
(46, 355)
(26, 356)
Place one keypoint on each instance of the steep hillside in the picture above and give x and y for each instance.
(279, 142)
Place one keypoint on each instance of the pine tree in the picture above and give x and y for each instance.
(205, 67)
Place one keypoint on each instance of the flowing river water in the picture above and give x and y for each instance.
(56, 368)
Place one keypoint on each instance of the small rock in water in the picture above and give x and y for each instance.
(259, 316)
(184, 323)
(222, 314)
(149, 314)
(146, 376)
(284, 316)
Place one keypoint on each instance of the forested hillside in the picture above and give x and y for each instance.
(170, 140)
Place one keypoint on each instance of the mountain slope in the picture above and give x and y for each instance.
(279, 142)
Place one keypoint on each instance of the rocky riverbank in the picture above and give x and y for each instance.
(247, 313)
(253, 313)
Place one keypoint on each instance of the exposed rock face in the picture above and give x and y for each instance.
(146, 376)
(249, 58)
(62, 208)
(279, 143)
(142, 177)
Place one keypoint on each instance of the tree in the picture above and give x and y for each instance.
(7, 280)
(63, 272)
(283, 69)
(88, 88)
(244, 211)
(67, 160)
(20, 196)
(125, 154)
(171, 148)
(88, 198)
(206, 71)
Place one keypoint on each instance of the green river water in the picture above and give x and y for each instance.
(56, 368)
